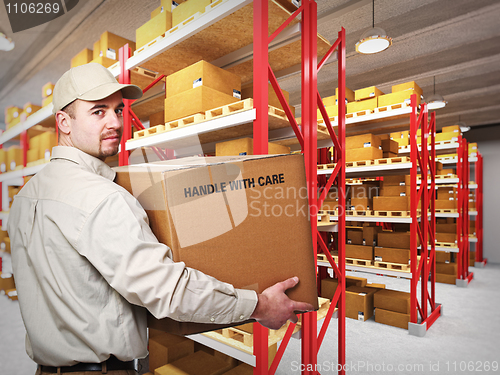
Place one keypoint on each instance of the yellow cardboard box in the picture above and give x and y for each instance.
(166, 5)
(152, 29)
(196, 100)
(33, 155)
(188, 9)
(47, 90)
(47, 140)
(367, 93)
(244, 146)
(203, 74)
(3, 160)
(11, 113)
(109, 44)
(412, 85)
(349, 95)
(46, 101)
(330, 100)
(28, 110)
(362, 105)
(104, 61)
(397, 97)
(83, 57)
(14, 157)
(247, 92)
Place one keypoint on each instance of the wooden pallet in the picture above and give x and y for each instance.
(186, 121)
(327, 166)
(392, 213)
(241, 337)
(446, 244)
(392, 266)
(392, 107)
(358, 213)
(239, 106)
(445, 211)
(396, 160)
(359, 113)
(445, 176)
(359, 262)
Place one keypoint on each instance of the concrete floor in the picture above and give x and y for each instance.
(464, 340)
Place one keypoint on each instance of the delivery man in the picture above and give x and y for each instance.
(86, 263)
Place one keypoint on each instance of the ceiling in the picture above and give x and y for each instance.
(457, 42)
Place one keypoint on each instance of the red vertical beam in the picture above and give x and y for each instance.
(432, 198)
(479, 204)
(465, 149)
(413, 208)
(424, 221)
(124, 78)
(341, 55)
(260, 142)
(309, 129)
(460, 193)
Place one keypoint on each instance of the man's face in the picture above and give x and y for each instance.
(98, 126)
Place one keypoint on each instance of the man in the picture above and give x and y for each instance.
(86, 263)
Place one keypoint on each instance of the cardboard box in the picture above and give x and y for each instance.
(446, 204)
(166, 5)
(354, 237)
(389, 145)
(104, 61)
(362, 105)
(83, 57)
(401, 137)
(5, 245)
(388, 155)
(398, 240)
(446, 172)
(393, 191)
(14, 157)
(359, 302)
(390, 203)
(152, 29)
(366, 190)
(361, 154)
(446, 237)
(109, 44)
(157, 118)
(46, 101)
(166, 348)
(370, 235)
(239, 211)
(194, 364)
(359, 251)
(393, 300)
(330, 204)
(354, 281)
(364, 140)
(331, 111)
(367, 93)
(241, 369)
(197, 100)
(443, 256)
(7, 281)
(349, 95)
(3, 160)
(391, 255)
(330, 101)
(28, 110)
(244, 146)
(46, 142)
(361, 204)
(451, 129)
(395, 180)
(446, 268)
(412, 86)
(47, 90)
(446, 228)
(392, 318)
(397, 98)
(247, 92)
(446, 279)
(33, 154)
(445, 193)
(328, 287)
(203, 74)
(375, 286)
(188, 9)
(11, 113)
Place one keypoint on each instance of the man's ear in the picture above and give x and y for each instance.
(63, 121)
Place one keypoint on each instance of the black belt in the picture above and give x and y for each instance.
(111, 364)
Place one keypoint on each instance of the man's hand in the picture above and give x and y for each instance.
(274, 307)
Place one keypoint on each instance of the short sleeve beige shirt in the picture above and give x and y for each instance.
(87, 266)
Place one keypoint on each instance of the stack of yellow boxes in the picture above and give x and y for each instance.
(12, 116)
(472, 149)
(401, 94)
(446, 198)
(160, 22)
(331, 106)
(244, 146)
(361, 241)
(402, 138)
(390, 148)
(365, 100)
(392, 307)
(14, 159)
(3, 161)
(363, 147)
(107, 47)
(393, 194)
(28, 109)
(361, 196)
(393, 247)
(199, 88)
(40, 146)
(83, 57)
(47, 91)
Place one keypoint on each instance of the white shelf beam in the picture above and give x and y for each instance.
(376, 271)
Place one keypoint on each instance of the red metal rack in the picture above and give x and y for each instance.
(479, 207)
(464, 277)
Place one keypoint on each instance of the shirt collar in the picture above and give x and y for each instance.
(87, 161)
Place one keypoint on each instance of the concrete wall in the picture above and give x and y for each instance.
(488, 140)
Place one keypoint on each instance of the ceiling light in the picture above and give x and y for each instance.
(463, 126)
(373, 40)
(436, 101)
(6, 44)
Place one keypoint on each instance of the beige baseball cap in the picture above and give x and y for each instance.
(89, 82)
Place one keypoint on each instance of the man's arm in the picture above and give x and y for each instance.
(274, 307)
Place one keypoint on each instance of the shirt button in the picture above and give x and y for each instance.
(242, 317)
(212, 319)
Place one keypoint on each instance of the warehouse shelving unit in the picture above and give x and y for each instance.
(480, 260)
(424, 309)
(305, 135)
